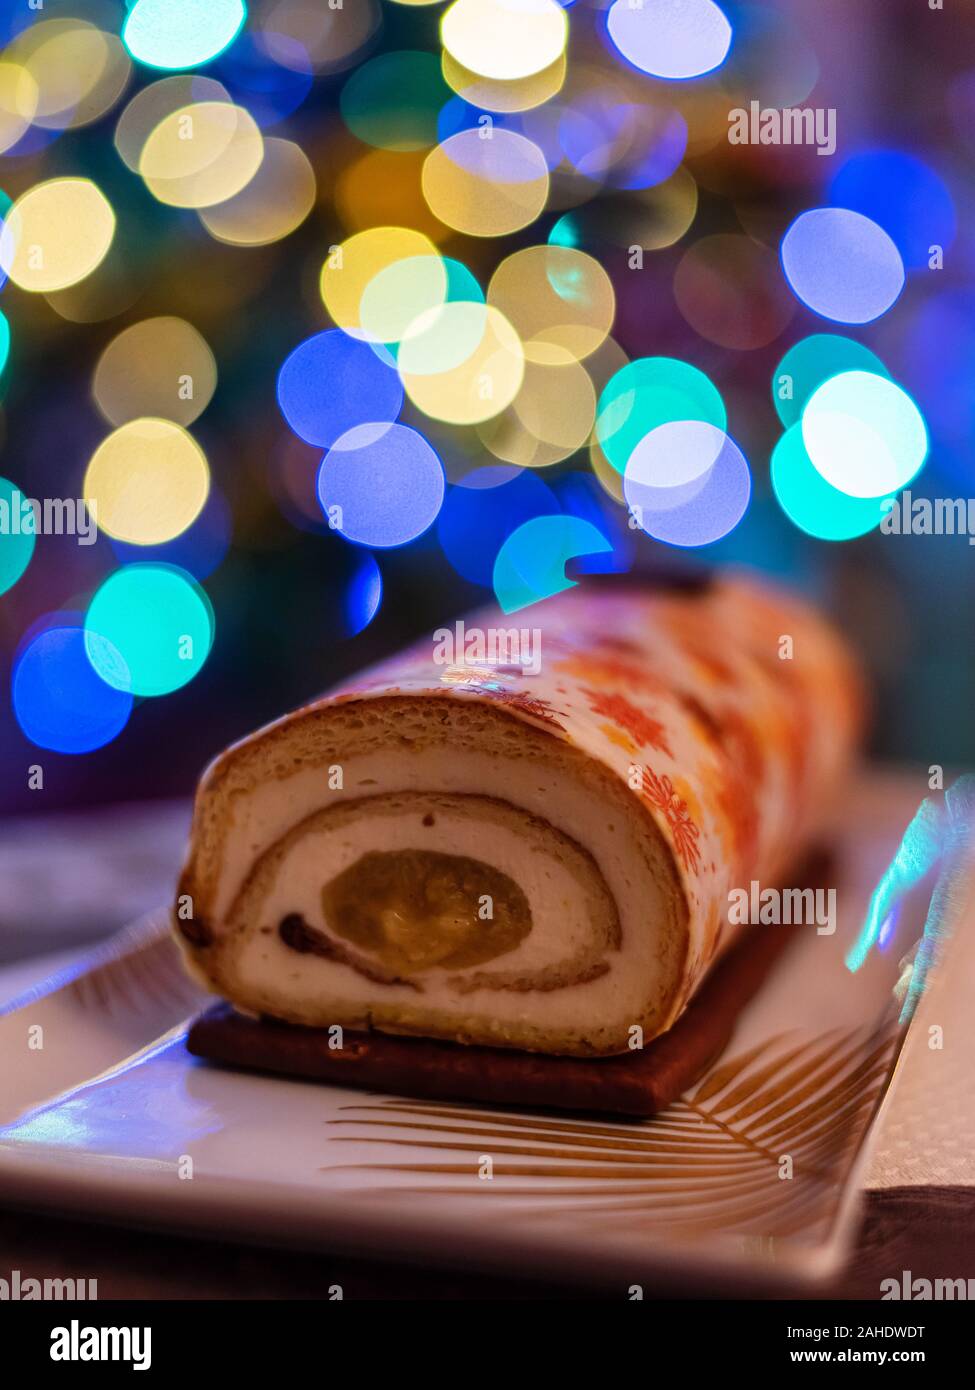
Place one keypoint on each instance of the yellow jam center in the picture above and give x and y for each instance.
(414, 908)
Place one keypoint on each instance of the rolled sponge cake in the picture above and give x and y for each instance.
(537, 861)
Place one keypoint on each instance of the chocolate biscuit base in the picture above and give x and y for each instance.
(639, 1083)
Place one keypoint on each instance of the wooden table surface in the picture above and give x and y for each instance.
(930, 1232)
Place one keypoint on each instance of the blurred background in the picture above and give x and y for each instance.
(347, 109)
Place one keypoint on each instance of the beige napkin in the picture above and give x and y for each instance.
(927, 1135)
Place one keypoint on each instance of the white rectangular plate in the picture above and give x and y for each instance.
(754, 1175)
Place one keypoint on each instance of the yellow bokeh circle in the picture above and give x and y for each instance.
(147, 482)
(489, 94)
(55, 234)
(19, 97)
(400, 295)
(353, 265)
(202, 154)
(505, 39)
(480, 386)
(151, 104)
(550, 418)
(442, 338)
(80, 70)
(276, 201)
(560, 300)
(161, 367)
(486, 182)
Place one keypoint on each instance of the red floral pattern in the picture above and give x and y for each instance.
(744, 770)
(527, 704)
(755, 745)
(659, 791)
(635, 721)
(612, 669)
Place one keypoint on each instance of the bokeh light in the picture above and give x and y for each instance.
(561, 301)
(60, 700)
(810, 502)
(17, 538)
(606, 475)
(581, 495)
(650, 392)
(490, 94)
(457, 114)
(483, 383)
(393, 100)
(79, 71)
(331, 38)
(810, 362)
(381, 485)
(842, 265)
(352, 266)
(864, 434)
(673, 39)
(18, 102)
(401, 295)
(549, 419)
(903, 195)
(270, 88)
(201, 154)
(163, 35)
(443, 338)
(480, 513)
(149, 629)
(111, 289)
(461, 283)
(486, 188)
(687, 483)
(330, 383)
(505, 39)
(362, 595)
(729, 289)
(152, 104)
(531, 563)
(494, 223)
(146, 482)
(158, 367)
(627, 145)
(55, 234)
(272, 205)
